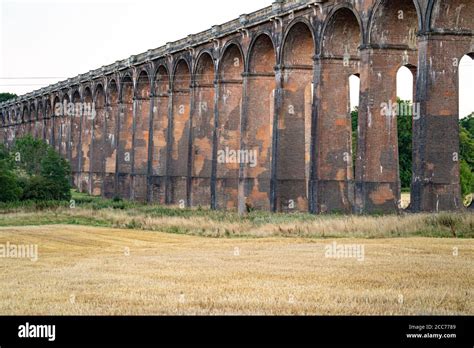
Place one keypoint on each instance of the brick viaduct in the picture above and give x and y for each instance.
(275, 81)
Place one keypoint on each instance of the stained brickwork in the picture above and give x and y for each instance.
(255, 113)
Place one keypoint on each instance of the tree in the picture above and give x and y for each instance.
(28, 153)
(405, 143)
(33, 171)
(57, 170)
(10, 188)
(466, 143)
(7, 96)
(468, 124)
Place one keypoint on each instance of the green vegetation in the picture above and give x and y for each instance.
(32, 170)
(467, 154)
(7, 96)
(85, 210)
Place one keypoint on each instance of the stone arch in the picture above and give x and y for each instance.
(33, 128)
(48, 123)
(25, 120)
(261, 55)
(258, 124)
(33, 114)
(450, 15)
(25, 115)
(230, 70)
(342, 34)
(180, 128)
(204, 70)
(162, 80)
(143, 85)
(294, 124)
(202, 130)
(64, 129)
(340, 59)
(56, 122)
(395, 23)
(41, 131)
(296, 33)
(232, 63)
(126, 88)
(181, 78)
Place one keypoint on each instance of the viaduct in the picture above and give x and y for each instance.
(276, 82)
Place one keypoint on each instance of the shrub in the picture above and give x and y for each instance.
(29, 153)
(467, 179)
(10, 187)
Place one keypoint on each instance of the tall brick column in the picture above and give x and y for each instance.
(335, 190)
(377, 164)
(436, 181)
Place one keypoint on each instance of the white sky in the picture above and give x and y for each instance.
(59, 39)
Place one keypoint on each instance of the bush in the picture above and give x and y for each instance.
(10, 187)
(39, 188)
(28, 153)
(57, 171)
(467, 179)
(33, 171)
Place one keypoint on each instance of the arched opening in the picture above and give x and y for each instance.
(228, 128)
(466, 127)
(66, 119)
(354, 97)
(48, 122)
(294, 124)
(97, 155)
(393, 30)
(33, 119)
(406, 112)
(25, 121)
(125, 148)
(41, 121)
(160, 135)
(110, 140)
(76, 139)
(86, 142)
(202, 130)
(178, 179)
(257, 140)
(141, 139)
(56, 123)
(335, 127)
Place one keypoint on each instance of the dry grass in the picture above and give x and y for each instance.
(259, 225)
(85, 270)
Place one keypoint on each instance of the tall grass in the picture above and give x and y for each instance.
(94, 211)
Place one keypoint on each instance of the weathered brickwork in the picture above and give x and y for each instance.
(255, 113)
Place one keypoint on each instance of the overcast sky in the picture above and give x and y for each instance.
(59, 39)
